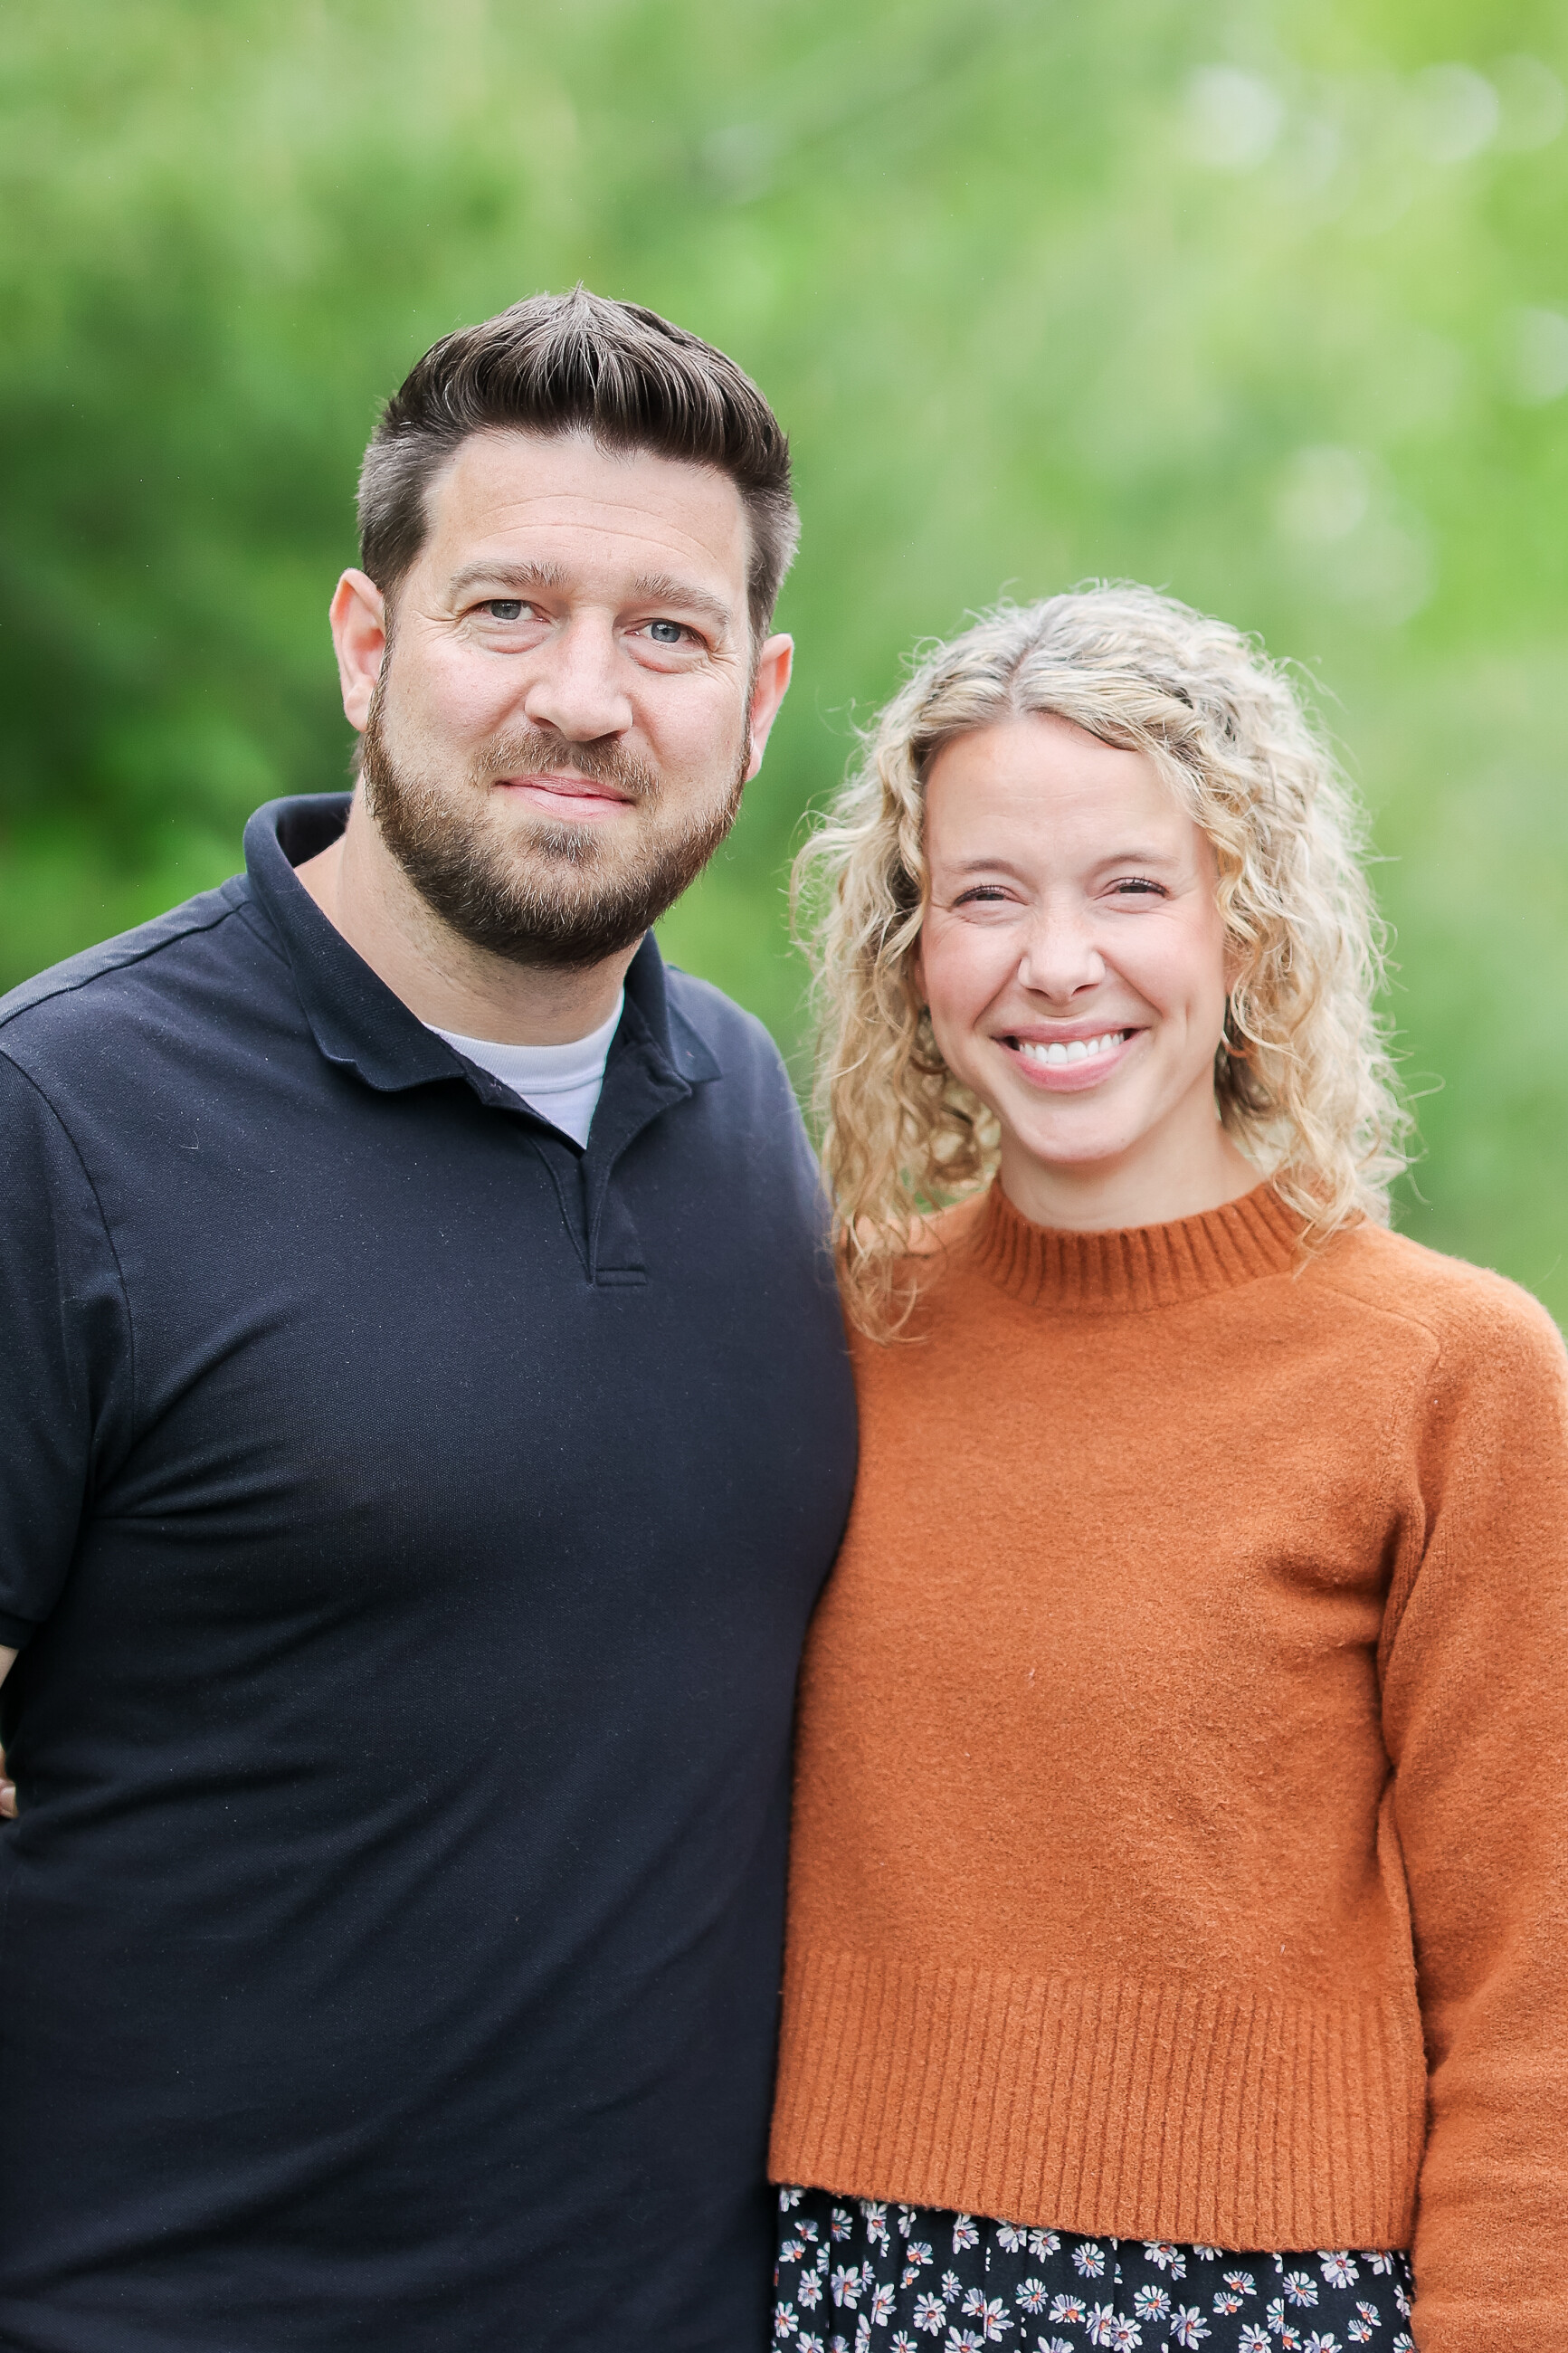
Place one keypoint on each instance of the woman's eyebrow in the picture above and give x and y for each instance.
(1139, 854)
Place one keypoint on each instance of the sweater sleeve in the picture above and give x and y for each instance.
(1476, 1720)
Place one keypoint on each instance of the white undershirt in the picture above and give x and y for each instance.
(559, 1083)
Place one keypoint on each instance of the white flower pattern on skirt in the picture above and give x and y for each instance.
(859, 2275)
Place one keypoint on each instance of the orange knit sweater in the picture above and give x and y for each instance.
(1183, 1767)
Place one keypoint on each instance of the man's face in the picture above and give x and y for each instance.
(568, 705)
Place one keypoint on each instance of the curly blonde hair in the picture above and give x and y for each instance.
(1304, 1077)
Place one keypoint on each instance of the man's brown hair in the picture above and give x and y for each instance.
(577, 363)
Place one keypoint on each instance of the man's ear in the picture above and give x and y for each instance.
(773, 666)
(359, 634)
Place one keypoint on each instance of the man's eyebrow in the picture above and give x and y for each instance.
(662, 589)
(520, 576)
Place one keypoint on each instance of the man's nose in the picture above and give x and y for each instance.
(1061, 955)
(576, 683)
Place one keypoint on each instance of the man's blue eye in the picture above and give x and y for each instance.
(671, 631)
(503, 608)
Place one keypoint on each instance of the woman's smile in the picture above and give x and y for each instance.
(1066, 1062)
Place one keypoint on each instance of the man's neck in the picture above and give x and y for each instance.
(363, 891)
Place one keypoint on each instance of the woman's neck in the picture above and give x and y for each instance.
(1163, 1179)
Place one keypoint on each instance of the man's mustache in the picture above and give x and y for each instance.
(531, 754)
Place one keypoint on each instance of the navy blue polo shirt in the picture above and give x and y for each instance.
(411, 1522)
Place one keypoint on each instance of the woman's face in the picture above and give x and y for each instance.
(1073, 960)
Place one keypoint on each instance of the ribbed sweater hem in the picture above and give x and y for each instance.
(1215, 2114)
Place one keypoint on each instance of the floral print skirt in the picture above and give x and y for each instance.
(857, 2277)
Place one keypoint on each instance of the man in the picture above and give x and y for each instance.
(426, 1428)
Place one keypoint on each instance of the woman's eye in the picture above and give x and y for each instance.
(985, 894)
(503, 608)
(1136, 886)
(665, 633)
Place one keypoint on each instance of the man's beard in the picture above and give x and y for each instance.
(541, 897)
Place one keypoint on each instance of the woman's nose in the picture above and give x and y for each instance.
(1060, 956)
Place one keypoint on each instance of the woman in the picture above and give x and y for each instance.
(1177, 1909)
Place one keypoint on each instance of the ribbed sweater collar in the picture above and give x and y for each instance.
(1138, 1267)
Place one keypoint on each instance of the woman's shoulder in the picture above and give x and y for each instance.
(942, 1231)
(927, 1244)
(930, 1249)
(1467, 1309)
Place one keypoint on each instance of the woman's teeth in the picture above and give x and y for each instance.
(1075, 1050)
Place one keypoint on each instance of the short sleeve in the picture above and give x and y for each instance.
(65, 1365)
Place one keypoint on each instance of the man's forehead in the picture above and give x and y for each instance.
(565, 502)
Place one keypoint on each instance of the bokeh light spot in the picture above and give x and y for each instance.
(1539, 355)
(1324, 496)
(1534, 103)
(1454, 113)
(1232, 119)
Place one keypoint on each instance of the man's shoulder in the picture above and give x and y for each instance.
(86, 989)
(736, 1039)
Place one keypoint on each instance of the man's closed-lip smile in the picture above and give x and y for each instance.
(567, 792)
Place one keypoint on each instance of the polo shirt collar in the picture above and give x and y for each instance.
(359, 1023)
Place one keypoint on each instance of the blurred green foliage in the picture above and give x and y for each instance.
(1266, 305)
